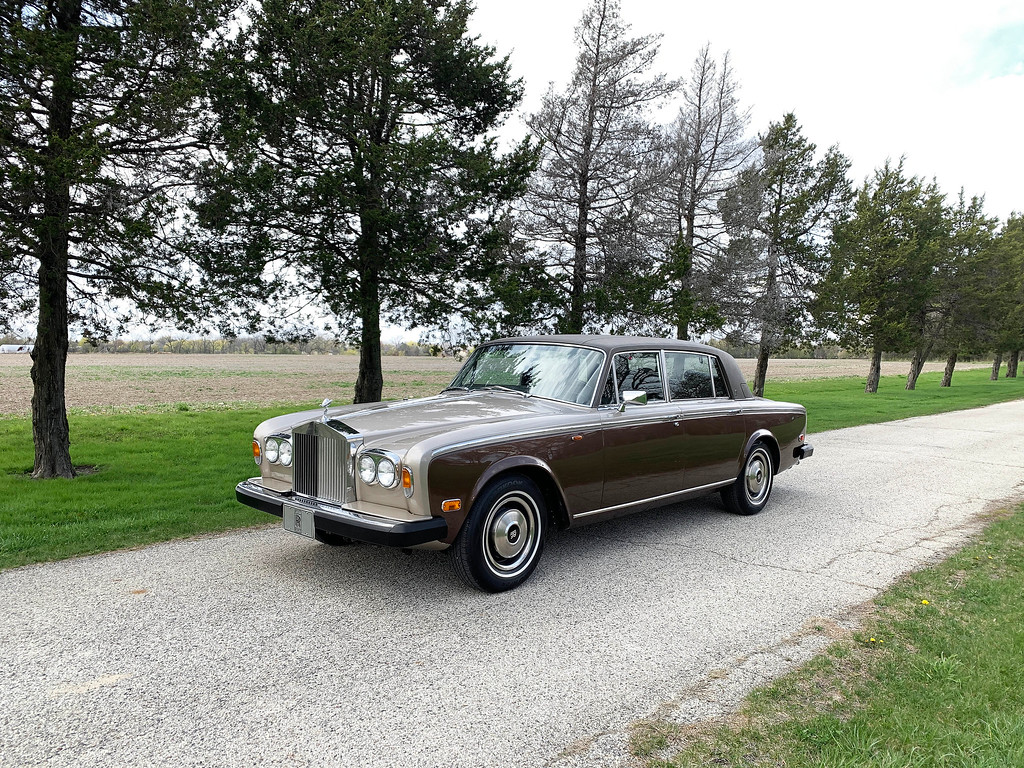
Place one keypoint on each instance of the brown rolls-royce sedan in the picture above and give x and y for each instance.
(533, 432)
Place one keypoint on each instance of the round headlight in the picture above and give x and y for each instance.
(386, 474)
(273, 450)
(367, 469)
(286, 453)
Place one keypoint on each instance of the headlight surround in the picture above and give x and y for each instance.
(367, 469)
(387, 474)
(285, 451)
(377, 466)
(272, 449)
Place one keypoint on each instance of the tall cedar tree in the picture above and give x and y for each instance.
(1008, 290)
(96, 100)
(589, 201)
(780, 217)
(966, 311)
(706, 148)
(881, 280)
(357, 159)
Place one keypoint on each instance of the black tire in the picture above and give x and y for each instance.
(501, 541)
(749, 494)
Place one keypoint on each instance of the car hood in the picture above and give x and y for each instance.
(409, 420)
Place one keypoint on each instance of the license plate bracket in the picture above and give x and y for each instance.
(298, 520)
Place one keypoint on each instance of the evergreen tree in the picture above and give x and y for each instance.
(359, 160)
(967, 300)
(779, 219)
(881, 279)
(96, 149)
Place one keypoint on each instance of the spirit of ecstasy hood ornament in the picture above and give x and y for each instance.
(325, 405)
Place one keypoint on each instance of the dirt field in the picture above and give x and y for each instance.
(101, 382)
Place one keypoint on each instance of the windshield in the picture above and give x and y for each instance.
(558, 372)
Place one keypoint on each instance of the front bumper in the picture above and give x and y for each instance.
(804, 451)
(347, 522)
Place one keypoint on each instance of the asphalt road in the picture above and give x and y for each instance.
(262, 648)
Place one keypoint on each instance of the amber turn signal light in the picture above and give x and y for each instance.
(451, 505)
(257, 455)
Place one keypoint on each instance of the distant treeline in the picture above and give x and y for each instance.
(241, 345)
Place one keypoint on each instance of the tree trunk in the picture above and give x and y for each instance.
(683, 299)
(875, 371)
(370, 380)
(50, 432)
(917, 364)
(1011, 364)
(947, 376)
(995, 366)
(761, 372)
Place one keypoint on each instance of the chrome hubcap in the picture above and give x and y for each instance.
(510, 534)
(758, 477)
(507, 535)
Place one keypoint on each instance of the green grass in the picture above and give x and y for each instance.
(168, 470)
(158, 476)
(842, 402)
(934, 679)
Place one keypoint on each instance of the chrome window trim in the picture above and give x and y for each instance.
(661, 373)
(695, 354)
(664, 496)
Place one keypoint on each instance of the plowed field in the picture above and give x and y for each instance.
(104, 382)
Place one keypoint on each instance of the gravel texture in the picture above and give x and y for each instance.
(263, 648)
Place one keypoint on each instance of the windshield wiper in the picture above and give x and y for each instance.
(501, 388)
(449, 389)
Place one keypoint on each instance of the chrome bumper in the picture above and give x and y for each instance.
(338, 520)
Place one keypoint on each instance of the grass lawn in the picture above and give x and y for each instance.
(157, 476)
(934, 679)
(835, 403)
(169, 471)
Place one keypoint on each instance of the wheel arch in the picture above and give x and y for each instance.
(764, 436)
(539, 472)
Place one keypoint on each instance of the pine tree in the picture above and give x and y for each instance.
(97, 101)
(359, 159)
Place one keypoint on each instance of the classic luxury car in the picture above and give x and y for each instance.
(533, 432)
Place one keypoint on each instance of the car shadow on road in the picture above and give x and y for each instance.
(582, 554)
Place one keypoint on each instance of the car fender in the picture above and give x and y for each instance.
(510, 463)
(768, 437)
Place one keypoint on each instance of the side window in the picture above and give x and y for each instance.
(639, 371)
(689, 375)
(721, 390)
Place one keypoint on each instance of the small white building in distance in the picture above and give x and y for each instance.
(8, 349)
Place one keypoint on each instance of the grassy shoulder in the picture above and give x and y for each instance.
(151, 477)
(842, 402)
(169, 471)
(933, 679)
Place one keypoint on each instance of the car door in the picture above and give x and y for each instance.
(713, 431)
(642, 453)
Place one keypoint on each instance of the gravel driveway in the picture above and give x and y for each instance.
(262, 648)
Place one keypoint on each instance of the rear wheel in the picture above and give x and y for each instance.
(749, 494)
(501, 541)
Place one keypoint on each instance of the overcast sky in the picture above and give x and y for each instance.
(939, 82)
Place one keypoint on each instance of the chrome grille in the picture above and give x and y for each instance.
(305, 464)
(320, 463)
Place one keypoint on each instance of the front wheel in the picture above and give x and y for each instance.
(501, 541)
(749, 494)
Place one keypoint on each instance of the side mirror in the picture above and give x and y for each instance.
(632, 397)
